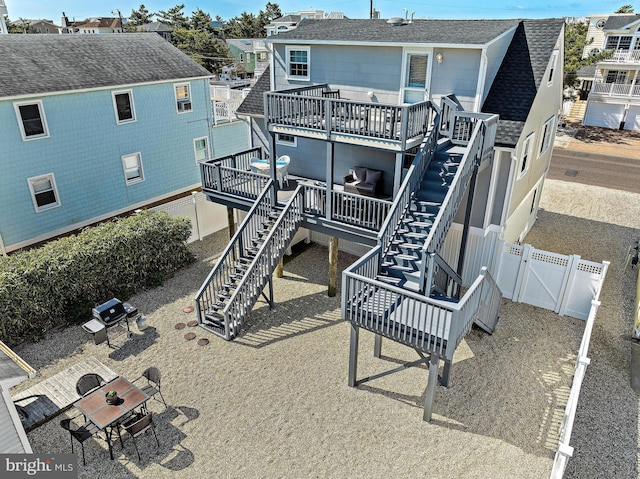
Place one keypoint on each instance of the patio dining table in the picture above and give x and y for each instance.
(107, 416)
(259, 165)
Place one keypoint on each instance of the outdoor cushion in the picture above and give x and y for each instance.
(360, 173)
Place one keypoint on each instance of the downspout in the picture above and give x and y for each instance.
(482, 79)
(507, 199)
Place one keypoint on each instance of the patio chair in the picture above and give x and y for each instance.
(80, 434)
(89, 382)
(138, 425)
(282, 171)
(152, 375)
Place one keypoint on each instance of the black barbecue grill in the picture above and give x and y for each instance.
(110, 315)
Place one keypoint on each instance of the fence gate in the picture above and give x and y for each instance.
(560, 283)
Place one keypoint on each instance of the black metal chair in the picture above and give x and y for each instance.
(152, 375)
(138, 425)
(88, 382)
(80, 434)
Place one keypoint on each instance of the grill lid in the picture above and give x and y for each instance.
(110, 312)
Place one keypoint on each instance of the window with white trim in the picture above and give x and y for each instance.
(132, 166)
(31, 120)
(526, 154)
(183, 97)
(298, 63)
(43, 192)
(288, 140)
(616, 76)
(546, 135)
(552, 68)
(201, 149)
(123, 106)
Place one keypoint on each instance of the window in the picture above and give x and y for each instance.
(31, 119)
(526, 153)
(43, 192)
(123, 104)
(132, 166)
(552, 67)
(201, 149)
(533, 201)
(616, 76)
(183, 97)
(415, 76)
(298, 63)
(546, 135)
(615, 42)
(288, 140)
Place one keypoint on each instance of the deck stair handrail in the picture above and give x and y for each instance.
(411, 181)
(449, 105)
(261, 260)
(376, 306)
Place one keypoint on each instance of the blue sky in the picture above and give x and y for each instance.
(444, 9)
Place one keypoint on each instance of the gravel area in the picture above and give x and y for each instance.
(275, 402)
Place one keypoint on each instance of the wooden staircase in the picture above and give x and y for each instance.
(245, 267)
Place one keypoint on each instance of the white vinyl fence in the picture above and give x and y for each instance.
(560, 283)
(206, 217)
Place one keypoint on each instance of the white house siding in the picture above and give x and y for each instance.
(458, 73)
(546, 105)
(632, 122)
(495, 54)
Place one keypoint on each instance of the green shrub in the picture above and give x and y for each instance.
(58, 283)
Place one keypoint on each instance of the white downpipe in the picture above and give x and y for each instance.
(482, 78)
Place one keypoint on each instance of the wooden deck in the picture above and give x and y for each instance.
(56, 394)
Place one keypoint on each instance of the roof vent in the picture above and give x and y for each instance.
(395, 21)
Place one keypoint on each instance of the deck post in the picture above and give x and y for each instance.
(333, 267)
(431, 387)
(231, 221)
(467, 221)
(279, 271)
(329, 180)
(377, 346)
(353, 355)
(397, 177)
(446, 370)
(272, 168)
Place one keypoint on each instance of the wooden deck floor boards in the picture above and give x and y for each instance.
(56, 394)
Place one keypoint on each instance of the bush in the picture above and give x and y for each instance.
(59, 283)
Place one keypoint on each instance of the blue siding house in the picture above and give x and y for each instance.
(95, 126)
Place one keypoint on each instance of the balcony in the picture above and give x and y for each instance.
(622, 56)
(230, 181)
(318, 112)
(626, 90)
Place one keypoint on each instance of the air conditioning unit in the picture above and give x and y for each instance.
(184, 105)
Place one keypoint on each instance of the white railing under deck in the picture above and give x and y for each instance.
(623, 56)
(411, 318)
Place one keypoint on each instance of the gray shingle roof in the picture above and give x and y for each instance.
(36, 64)
(253, 104)
(463, 32)
(520, 75)
(618, 22)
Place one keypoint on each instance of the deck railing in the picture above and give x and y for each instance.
(409, 185)
(623, 56)
(316, 108)
(425, 323)
(357, 210)
(615, 89)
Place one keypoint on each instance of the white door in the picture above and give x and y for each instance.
(633, 119)
(415, 77)
(605, 115)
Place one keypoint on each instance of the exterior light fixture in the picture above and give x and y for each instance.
(439, 57)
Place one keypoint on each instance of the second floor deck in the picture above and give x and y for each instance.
(318, 112)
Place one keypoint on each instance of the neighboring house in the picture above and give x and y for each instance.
(125, 130)
(419, 145)
(37, 26)
(13, 370)
(3, 12)
(92, 25)
(160, 28)
(614, 98)
(251, 55)
(595, 35)
(290, 21)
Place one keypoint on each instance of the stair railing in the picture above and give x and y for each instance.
(409, 185)
(443, 280)
(264, 263)
(451, 202)
(220, 274)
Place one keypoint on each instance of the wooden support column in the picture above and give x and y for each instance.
(279, 271)
(353, 355)
(333, 266)
(431, 387)
(377, 346)
(329, 179)
(231, 221)
(397, 177)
